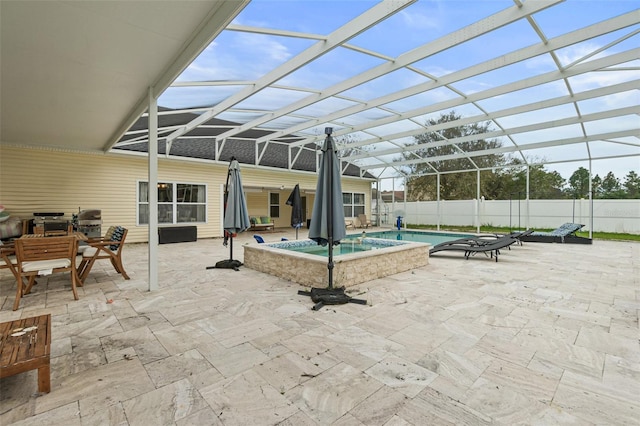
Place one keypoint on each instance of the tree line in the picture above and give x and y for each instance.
(501, 177)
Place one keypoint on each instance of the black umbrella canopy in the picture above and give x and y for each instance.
(295, 202)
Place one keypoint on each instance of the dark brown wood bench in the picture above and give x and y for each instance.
(21, 352)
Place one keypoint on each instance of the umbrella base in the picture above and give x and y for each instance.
(227, 264)
(329, 296)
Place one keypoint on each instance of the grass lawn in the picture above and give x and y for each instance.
(506, 230)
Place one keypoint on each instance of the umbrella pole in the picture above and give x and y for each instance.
(227, 264)
(329, 295)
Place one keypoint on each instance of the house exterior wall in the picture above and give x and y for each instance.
(39, 180)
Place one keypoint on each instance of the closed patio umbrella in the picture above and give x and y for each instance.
(327, 222)
(236, 215)
(327, 219)
(295, 202)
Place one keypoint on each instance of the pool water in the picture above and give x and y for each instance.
(356, 244)
(432, 238)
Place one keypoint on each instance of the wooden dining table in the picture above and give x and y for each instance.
(79, 235)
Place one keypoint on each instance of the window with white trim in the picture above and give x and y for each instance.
(353, 203)
(177, 203)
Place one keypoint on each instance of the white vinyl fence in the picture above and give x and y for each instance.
(620, 216)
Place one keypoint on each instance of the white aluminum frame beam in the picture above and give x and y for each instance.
(470, 32)
(524, 147)
(559, 42)
(510, 131)
(356, 26)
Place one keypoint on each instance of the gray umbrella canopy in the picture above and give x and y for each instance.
(295, 201)
(236, 215)
(327, 220)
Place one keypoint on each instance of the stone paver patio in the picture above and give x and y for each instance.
(549, 335)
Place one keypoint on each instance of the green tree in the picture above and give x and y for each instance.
(345, 141)
(453, 186)
(610, 186)
(632, 184)
(579, 183)
(596, 185)
(543, 184)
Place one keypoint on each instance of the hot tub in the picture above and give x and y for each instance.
(367, 259)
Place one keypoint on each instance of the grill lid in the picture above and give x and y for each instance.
(90, 215)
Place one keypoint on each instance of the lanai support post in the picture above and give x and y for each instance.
(153, 191)
(590, 202)
(438, 200)
(478, 201)
(527, 217)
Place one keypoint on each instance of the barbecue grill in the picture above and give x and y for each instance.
(90, 223)
(44, 222)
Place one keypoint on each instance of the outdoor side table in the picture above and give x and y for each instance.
(25, 344)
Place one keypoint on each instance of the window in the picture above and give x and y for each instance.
(274, 204)
(353, 204)
(177, 203)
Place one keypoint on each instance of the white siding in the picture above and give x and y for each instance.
(33, 180)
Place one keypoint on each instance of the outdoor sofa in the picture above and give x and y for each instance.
(261, 223)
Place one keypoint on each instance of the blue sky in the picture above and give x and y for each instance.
(242, 56)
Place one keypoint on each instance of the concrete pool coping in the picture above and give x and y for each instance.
(310, 270)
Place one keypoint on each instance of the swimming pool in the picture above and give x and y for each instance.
(346, 246)
(304, 262)
(429, 237)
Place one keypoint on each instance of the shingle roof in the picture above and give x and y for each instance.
(201, 143)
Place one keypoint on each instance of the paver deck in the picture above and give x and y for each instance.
(548, 335)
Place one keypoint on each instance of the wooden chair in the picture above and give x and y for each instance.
(107, 247)
(8, 258)
(8, 261)
(39, 256)
(364, 222)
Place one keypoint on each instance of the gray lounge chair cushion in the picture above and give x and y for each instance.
(561, 231)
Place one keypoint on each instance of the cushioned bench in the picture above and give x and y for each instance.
(261, 223)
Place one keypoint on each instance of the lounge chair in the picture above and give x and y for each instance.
(472, 246)
(260, 240)
(563, 234)
(485, 239)
(517, 235)
(364, 222)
